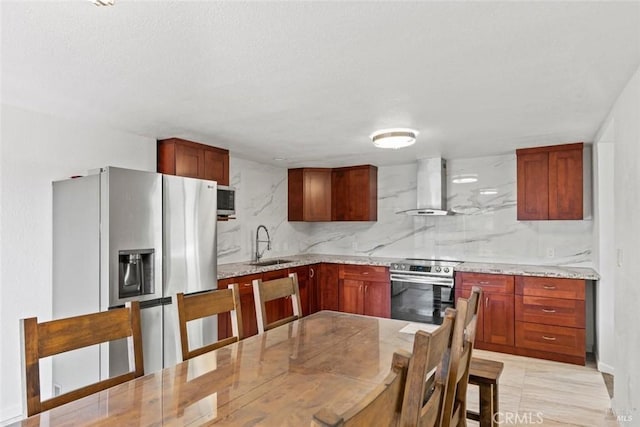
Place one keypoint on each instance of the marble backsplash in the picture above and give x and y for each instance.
(484, 227)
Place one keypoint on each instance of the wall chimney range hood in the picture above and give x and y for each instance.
(431, 188)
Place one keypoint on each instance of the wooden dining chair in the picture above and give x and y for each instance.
(381, 407)
(264, 292)
(423, 395)
(454, 410)
(205, 304)
(40, 340)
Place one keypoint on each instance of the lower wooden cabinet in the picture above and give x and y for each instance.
(365, 290)
(496, 313)
(530, 316)
(328, 292)
(247, 305)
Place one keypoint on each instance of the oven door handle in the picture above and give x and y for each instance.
(436, 281)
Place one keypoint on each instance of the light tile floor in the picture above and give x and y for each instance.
(542, 392)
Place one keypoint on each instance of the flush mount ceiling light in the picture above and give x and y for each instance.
(103, 2)
(394, 138)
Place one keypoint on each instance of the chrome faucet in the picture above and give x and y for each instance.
(258, 241)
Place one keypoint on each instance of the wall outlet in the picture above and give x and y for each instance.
(551, 252)
(57, 390)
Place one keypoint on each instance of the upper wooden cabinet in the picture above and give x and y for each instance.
(310, 194)
(550, 182)
(186, 158)
(354, 193)
(340, 194)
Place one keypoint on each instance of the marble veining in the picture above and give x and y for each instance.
(484, 228)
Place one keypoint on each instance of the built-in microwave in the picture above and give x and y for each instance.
(226, 200)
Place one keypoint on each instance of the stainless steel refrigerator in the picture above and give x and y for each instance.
(121, 235)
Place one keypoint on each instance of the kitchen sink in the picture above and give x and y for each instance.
(270, 262)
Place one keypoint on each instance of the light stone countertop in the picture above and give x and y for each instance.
(245, 268)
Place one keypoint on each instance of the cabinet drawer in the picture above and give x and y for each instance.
(550, 311)
(556, 339)
(550, 287)
(370, 273)
(245, 283)
(496, 283)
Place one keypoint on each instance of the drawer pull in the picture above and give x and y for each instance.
(483, 282)
(544, 337)
(548, 310)
(549, 287)
(365, 272)
(246, 285)
(486, 301)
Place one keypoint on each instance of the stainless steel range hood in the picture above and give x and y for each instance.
(431, 188)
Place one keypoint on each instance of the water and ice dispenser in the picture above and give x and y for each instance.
(135, 273)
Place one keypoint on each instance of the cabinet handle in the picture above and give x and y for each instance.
(548, 310)
(549, 287)
(311, 272)
(544, 337)
(365, 288)
(486, 301)
(365, 272)
(483, 282)
(246, 285)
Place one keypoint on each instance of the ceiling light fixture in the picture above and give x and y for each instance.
(103, 2)
(394, 138)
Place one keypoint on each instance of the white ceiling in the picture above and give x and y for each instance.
(310, 81)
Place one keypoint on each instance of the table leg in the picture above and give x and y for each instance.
(495, 404)
(486, 405)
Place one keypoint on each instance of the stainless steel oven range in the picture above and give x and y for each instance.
(421, 289)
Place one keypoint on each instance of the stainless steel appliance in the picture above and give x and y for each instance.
(422, 289)
(122, 235)
(226, 200)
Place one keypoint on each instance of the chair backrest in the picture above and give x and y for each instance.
(455, 401)
(40, 340)
(381, 407)
(274, 289)
(424, 397)
(205, 304)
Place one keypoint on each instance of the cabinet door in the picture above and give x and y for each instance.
(247, 304)
(377, 299)
(340, 195)
(363, 194)
(317, 195)
(224, 319)
(533, 186)
(354, 193)
(565, 184)
(216, 166)
(466, 293)
(352, 296)
(309, 194)
(498, 319)
(303, 286)
(313, 297)
(281, 307)
(189, 161)
(328, 287)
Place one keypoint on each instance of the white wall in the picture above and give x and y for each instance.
(36, 150)
(625, 118)
(604, 256)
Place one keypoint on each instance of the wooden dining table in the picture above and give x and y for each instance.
(280, 378)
